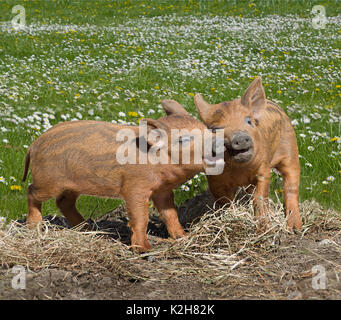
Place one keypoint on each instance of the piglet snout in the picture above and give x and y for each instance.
(241, 141)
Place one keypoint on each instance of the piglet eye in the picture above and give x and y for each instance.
(185, 139)
(249, 121)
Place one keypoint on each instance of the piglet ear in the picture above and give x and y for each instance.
(153, 124)
(204, 109)
(254, 96)
(173, 107)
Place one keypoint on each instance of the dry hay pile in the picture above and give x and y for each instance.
(218, 242)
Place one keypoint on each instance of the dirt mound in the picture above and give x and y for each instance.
(222, 257)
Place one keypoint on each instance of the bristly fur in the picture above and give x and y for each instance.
(80, 157)
(273, 145)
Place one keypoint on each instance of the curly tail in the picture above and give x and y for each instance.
(27, 164)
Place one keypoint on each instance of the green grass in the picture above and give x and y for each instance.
(94, 59)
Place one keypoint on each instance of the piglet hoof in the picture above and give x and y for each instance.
(33, 221)
(294, 225)
(32, 224)
(298, 225)
(177, 234)
(141, 247)
(293, 221)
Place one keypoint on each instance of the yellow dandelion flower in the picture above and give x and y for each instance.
(16, 188)
(133, 114)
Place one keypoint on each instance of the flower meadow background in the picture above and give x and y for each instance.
(116, 60)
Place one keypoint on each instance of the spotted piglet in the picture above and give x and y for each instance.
(258, 137)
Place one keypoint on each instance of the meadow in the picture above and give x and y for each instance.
(116, 60)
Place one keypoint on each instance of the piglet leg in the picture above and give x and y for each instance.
(164, 202)
(66, 202)
(261, 200)
(291, 179)
(137, 207)
(34, 208)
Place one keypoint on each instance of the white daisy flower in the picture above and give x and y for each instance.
(79, 115)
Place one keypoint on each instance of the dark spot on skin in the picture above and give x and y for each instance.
(272, 103)
(271, 131)
(273, 110)
(275, 105)
(214, 128)
(257, 122)
(59, 140)
(218, 114)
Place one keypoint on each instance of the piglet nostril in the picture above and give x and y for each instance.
(241, 141)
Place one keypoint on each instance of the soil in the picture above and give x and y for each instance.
(286, 273)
